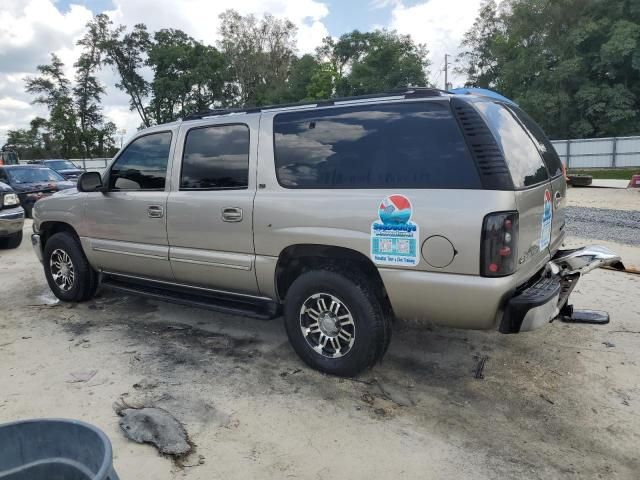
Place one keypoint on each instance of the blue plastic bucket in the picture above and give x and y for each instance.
(54, 449)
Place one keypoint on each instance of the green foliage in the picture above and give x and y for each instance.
(258, 55)
(574, 65)
(254, 64)
(188, 76)
(53, 89)
(607, 173)
(372, 62)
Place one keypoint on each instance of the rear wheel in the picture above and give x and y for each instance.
(335, 322)
(12, 241)
(68, 272)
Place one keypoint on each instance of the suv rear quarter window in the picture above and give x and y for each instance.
(395, 145)
(522, 156)
(549, 154)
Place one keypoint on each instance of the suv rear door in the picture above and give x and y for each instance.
(533, 190)
(210, 207)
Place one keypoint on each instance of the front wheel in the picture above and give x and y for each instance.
(335, 322)
(12, 241)
(68, 272)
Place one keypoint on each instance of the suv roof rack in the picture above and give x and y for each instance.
(408, 92)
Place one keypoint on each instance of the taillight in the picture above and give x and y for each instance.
(498, 248)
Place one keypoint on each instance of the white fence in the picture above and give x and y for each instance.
(91, 164)
(614, 152)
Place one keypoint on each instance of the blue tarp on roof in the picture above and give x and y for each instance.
(481, 91)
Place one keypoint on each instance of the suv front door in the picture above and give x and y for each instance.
(210, 209)
(126, 225)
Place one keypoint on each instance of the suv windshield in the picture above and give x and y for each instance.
(33, 175)
(60, 165)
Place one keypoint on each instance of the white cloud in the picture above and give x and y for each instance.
(440, 24)
(31, 29)
(199, 18)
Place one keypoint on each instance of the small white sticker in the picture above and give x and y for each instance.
(547, 215)
(394, 237)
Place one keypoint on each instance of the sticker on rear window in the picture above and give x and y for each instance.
(547, 215)
(394, 237)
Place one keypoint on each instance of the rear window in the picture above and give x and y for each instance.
(523, 159)
(399, 145)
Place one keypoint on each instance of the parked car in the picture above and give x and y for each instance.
(346, 214)
(11, 218)
(33, 182)
(65, 168)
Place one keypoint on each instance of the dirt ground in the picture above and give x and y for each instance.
(560, 402)
(613, 198)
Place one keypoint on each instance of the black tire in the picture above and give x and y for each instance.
(371, 327)
(85, 279)
(580, 180)
(12, 241)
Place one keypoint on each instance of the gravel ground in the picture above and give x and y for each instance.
(621, 226)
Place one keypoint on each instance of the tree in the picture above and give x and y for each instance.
(31, 143)
(53, 89)
(371, 62)
(573, 64)
(478, 59)
(88, 91)
(125, 52)
(188, 76)
(258, 54)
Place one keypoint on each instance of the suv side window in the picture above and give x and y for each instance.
(522, 157)
(4, 177)
(216, 157)
(143, 164)
(394, 145)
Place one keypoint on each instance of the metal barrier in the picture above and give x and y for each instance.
(612, 152)
(91, 164)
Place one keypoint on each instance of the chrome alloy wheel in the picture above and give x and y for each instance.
(327, 325)
(61, 268)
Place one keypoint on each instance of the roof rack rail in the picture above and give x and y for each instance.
(408, 92)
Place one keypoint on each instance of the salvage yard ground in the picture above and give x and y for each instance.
(560, 402)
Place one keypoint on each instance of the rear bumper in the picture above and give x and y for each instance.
(11, 221)
(540, 302)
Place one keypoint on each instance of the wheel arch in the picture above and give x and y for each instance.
(50, 228)
(297, 259)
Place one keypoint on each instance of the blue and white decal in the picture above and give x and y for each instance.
(547, 215)
(394, 237)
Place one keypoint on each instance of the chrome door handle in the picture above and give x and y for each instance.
(155, 211)
(232, 214)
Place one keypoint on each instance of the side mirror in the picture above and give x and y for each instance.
(89, 182)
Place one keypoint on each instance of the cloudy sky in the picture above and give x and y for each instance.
(31, 29)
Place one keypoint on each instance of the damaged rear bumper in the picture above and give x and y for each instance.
(541, 301)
